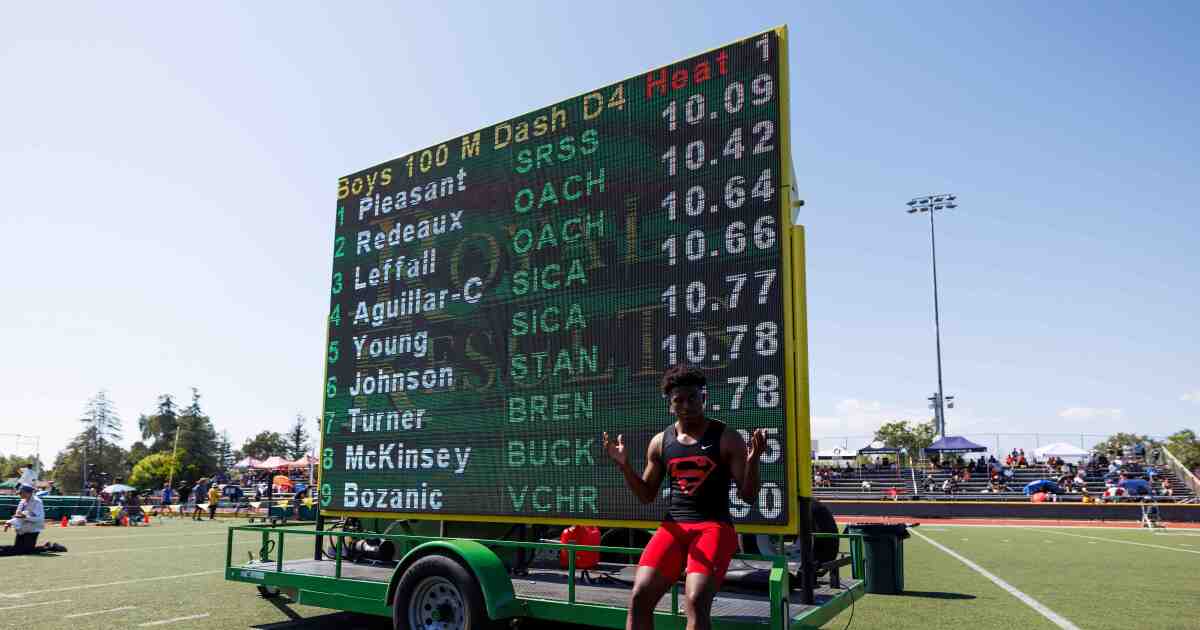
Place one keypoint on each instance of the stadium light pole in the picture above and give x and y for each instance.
(931, 204)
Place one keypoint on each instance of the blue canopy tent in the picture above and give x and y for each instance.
(952, 444)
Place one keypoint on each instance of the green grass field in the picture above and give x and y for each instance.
(169, 575)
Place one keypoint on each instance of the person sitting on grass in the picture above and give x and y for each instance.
(29, 519)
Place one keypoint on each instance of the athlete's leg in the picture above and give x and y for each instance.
(659, 567)
(709, 553)
(697, 601)
(648, 587)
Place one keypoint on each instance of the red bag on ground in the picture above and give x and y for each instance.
(580, 535)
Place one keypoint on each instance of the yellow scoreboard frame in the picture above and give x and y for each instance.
(795, 318)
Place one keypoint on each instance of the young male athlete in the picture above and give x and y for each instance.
(700, 455)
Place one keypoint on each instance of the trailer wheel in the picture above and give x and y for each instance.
(268, 592)
(824, 549)
(438, 593)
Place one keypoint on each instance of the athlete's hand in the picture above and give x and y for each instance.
(758, 444)
(616, 449)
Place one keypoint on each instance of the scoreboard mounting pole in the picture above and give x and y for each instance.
(499, 300)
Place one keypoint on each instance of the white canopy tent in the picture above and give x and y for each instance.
(836, 456)
(1060, 449)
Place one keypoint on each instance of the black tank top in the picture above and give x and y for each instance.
(699, 480)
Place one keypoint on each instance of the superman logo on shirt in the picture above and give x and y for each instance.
(689, 472)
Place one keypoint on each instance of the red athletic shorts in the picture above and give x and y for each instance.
(708, 546)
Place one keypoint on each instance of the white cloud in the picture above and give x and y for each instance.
(1084, 413)
(1191, 396)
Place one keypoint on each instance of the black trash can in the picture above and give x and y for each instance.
(884, 556)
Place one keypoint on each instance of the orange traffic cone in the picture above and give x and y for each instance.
(64, 520)
(125, 521)
(145, 518)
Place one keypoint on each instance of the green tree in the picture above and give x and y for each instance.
(264, 445)
(225, 452)
(1117, 441)
(158, 429)
(11, 465)
(137, 452)
(910, 436)
(153, 471)
(107, 466)
(1184, 445)
(298, 438)
(102, 424)
(198, 446)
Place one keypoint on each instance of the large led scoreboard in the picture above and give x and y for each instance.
(501, 299)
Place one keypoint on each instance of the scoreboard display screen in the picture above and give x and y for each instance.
(502, 299)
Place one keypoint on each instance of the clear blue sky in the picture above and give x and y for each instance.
(168, 178)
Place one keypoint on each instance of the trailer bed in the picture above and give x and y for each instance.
(743, 597)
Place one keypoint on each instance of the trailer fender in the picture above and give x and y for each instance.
(482, 562)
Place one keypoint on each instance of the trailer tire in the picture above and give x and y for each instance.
(824, 549)
(435, 589)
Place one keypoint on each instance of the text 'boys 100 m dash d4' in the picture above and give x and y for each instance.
(501, 299)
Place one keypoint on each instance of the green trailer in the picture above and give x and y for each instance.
(500, 300)
(450, 582)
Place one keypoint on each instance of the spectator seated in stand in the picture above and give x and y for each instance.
(866, 485)
(1166, 488)
(993, 487)
(1114, 493)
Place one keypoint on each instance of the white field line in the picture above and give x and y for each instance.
(1123, 542)
(78, 587)
(49, 533)
(134, 549)
(60, 601)
(162, 622)
(1133, 526)
(1041, 608)
(99, 612)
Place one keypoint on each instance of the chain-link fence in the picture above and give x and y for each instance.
(996, 443)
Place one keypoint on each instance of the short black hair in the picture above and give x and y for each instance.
(682, 375)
